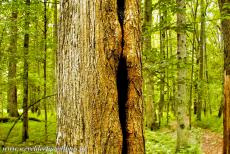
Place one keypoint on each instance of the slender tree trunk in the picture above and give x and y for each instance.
(12, 88)
(201, 60)
(38, 52)
(1, 58)
(196, 71)
(99, 104)
(182, 125)
(162, 75)
(191, 84)
(225, 10)
(167, 76)
(44, 66)
(194, 15)
(55, 42)
(206, 75)
(25, 74)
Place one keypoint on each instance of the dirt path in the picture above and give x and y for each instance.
(212, 143)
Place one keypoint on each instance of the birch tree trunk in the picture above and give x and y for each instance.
(99, 104)
(182, 123)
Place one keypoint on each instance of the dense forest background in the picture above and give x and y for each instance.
(28, 88)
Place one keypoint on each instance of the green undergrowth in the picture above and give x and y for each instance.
(36, 132)
(163, 141)
(212, 123)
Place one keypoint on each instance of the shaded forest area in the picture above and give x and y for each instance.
(115, 76)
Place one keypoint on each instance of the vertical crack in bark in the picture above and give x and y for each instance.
(121, 15)
(122, 87)
(122, 78)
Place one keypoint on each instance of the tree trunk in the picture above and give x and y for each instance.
(44, 67)
(147, 46)
(99, 104)
(12, 89)
(201, 60)
(162, 56)
(25, 74)
(225, 10)
(194, 15)
(55, 42)
(182, 123)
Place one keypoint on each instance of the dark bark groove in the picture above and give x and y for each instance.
(122, 77)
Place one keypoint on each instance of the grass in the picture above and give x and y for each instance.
(163, 141)
(36, 133)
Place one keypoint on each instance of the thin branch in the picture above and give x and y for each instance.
(15, 122)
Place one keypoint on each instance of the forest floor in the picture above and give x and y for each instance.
(205, 136)
(212, 142)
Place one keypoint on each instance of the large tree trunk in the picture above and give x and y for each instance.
(182, 125)
(99, 76)
(225, 10)
(25, 74)
(12, 89)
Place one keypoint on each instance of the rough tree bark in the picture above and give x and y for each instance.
(99, 103)
(12, 88)
(225, 10)
(182, 125)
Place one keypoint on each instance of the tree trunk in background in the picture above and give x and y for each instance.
(182, 123)
(37, 107)
(225, 10)
(1, 60)
(44, 67)
(55, 43)
(99, 104)
(162, 74)
(195, 47)
(150, 110)
(147, 46)
(25, 74)
(201, 61)
(194, 15)
(12, 89)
